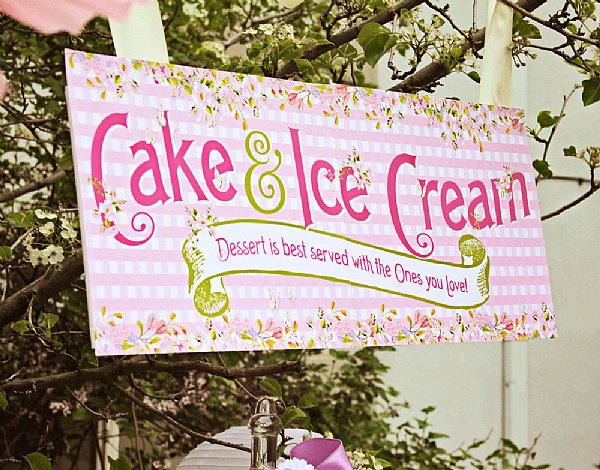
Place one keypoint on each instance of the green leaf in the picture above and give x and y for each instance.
(570, 151)
(38, 461)
(21, 219)
(119, 464)
(524, 29)
(5, 252)
(48, 320)
(291, 415)
(473, 75)
(81, 414)
(305, 66)
(543, 168)
(545, 119)
(272, 387)
(591, 91)
(21, 326)
(307, 401)
(66, 160)
(3, 400)
(375, 41)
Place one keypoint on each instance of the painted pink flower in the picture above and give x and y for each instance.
(158, 327)
(63, 15)
(295, 101)
(275, 330)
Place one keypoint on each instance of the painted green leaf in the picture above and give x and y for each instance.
(38, 461)
(272, 387)
(543, 168)
(375, 41)
(140, 326)
(591, 91)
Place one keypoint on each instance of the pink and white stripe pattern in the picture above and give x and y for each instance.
(138, 296)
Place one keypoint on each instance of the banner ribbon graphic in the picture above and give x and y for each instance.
(252, 246)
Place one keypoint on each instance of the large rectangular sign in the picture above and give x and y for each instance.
(222, 211)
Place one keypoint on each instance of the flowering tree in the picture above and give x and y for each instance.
(54, 390)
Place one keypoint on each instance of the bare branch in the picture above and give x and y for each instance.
(349, 34)
(559, 118)
(573, 203)
(549, 24)
(50, 284)
(30, 187)
(443, 11)
(287, 15)
(122, 368)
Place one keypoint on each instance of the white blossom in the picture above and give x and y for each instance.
(37, 256)
(45, 214)
(47, 228)
(295, 464)
(54, 254)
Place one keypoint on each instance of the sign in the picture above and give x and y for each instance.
(222, 211)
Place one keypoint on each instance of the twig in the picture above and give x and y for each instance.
(237, 382)
(549, 24)
(136, 437)
(572, 203)
(286, 14)
(561, 115)
(576, 179)
(444, 12)
(102, 416)
(175, 423)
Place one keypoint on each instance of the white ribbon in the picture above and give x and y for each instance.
(141, 35)
(496, 73)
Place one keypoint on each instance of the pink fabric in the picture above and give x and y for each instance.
(323, 454)
(52, 16)
(3, 85)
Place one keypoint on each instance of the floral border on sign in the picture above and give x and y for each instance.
(215, 93)
(330, 327)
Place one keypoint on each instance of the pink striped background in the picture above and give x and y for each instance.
(152, 279)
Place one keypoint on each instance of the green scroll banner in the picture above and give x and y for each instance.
(253, 247)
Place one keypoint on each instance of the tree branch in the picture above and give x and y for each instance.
(287, 15)
(437, 70)
(173, 422)
(115, 369)
(549, 24)
(572, 204)
(30, 187)
(40, 290)
(348, 35)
